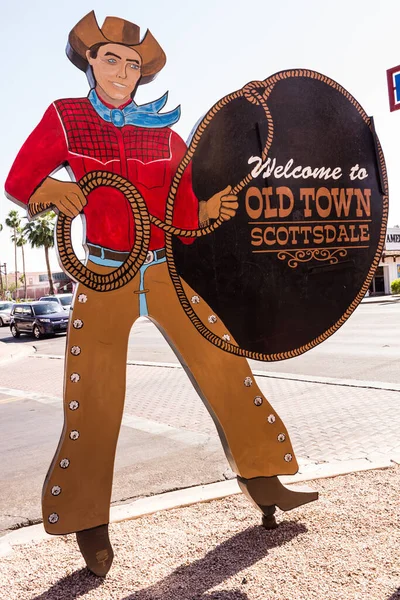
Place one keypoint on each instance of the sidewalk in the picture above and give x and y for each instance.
(11, 352)
(385, 298)
(342, 547)
(168, 439)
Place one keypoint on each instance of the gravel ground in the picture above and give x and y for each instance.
(345, 546)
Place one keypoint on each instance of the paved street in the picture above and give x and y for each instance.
(367, 346)
(339, 402)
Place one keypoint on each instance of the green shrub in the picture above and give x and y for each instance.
(395, 286)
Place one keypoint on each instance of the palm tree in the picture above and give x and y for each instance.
(40, 234)
(14, 222)
(20, 240)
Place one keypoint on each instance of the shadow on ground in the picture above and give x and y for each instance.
(192, 582)
(71, 587)
(395, 596)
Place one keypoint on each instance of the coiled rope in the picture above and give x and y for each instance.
(123, 274)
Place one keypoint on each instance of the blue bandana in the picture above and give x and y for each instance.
(146, 115)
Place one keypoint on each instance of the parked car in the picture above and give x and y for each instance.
(64, 300)
(38, 319)
(5, 310)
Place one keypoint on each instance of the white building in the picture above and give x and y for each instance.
(389, 266)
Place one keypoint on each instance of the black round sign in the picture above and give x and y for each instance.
(299, 255)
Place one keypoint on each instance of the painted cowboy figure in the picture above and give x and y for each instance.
(108, 131)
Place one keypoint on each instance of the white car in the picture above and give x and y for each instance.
(5, 309)
(63, 300)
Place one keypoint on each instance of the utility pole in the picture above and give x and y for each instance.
(3, 266)
(6, 278)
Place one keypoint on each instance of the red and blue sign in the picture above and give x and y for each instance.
(393, 79)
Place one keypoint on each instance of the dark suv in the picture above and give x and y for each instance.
(38, 318)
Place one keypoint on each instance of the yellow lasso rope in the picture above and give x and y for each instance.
(123, 274)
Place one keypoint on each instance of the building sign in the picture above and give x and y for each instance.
(302, 156)
(393, 239)
(393, 80)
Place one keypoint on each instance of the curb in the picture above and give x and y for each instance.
(317, 379)
(14, 352)
(385, 298)
(199, 494)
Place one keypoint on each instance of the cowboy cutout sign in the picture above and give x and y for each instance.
(257, 240)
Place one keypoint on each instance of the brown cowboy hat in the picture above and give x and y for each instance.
(87, 33)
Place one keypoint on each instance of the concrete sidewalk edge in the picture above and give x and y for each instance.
(198, 494)
(357, 383)
(383, 298)
(10, 352)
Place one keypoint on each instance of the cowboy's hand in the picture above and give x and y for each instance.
(66, 196)
(223, 204)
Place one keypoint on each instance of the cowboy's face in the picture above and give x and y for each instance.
(117, 70)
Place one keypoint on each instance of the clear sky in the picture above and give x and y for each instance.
(213, 47)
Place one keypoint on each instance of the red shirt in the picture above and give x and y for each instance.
(72, 134)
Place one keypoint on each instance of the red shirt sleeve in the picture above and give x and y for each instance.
(186, 205)
(44, 151)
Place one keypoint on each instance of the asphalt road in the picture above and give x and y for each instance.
(168, 440)
(366, 347)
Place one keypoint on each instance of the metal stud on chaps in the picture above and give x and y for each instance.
(273, 224)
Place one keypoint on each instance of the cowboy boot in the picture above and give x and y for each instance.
(267, 493)
(96, 549)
